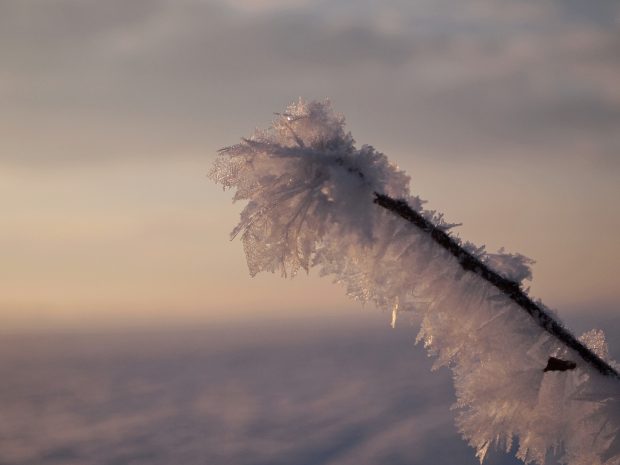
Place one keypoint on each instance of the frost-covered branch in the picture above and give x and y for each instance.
(520, 377)
(510, 288)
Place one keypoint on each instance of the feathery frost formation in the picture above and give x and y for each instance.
(310, 196)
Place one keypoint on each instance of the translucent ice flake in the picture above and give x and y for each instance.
(515, 267)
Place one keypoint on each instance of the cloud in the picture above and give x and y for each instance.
(90, 81)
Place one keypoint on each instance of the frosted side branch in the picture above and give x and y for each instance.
(510, 288)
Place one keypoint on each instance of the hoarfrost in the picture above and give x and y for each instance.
(310, 195)
(515, 267)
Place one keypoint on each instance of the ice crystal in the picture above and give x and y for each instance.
(310, 195)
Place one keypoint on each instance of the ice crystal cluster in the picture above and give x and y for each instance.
(310, 195)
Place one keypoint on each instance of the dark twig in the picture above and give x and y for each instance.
(509, 288)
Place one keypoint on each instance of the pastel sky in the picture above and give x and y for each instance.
(506, 115)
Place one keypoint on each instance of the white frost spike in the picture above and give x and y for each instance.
(310, 195)
(394, 314)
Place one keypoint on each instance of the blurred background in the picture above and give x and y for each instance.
(118, 282)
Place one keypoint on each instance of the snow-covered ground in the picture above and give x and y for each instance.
(294, 392)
